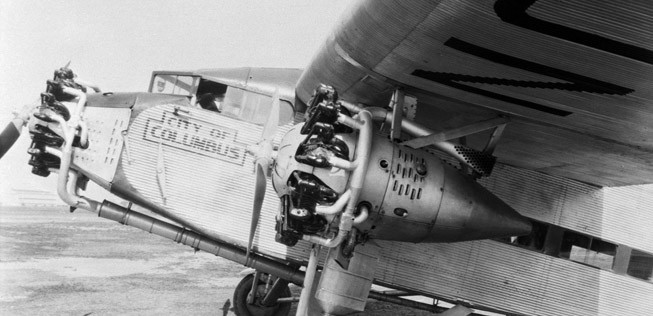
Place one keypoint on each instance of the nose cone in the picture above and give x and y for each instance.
(468, 211)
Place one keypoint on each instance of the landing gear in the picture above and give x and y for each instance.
(266, 289)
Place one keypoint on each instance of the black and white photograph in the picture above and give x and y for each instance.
(326, 157)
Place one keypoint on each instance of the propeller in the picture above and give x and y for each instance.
(262, 161)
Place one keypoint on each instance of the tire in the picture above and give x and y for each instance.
(241, 308)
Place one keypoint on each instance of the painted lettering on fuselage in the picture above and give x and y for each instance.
(199, 137)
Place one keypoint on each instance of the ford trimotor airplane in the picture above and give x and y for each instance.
(493, 154)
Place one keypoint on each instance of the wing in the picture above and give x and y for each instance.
(575, 77)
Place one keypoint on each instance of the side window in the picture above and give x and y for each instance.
(560, 242)
(641, 265)
(231, 101)
(253, 107)
(164, 84)
(574, 246)
(591, 251)
(185, 85)
(174, 84)
(601, 254)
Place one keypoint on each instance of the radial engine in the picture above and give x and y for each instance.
(391, 192)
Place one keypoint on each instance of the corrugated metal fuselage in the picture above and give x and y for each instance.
(208, 187)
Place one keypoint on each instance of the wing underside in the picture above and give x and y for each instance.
(575, 77)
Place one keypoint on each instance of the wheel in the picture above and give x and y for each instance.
(241, 308)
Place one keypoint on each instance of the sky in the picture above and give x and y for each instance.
(117, 44)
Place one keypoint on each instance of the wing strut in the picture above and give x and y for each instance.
(397, 114)
(458, 132)
(481, 162)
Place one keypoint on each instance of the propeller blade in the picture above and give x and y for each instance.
(67, 64)
(259, 195)
(262, 159)
(271, 124)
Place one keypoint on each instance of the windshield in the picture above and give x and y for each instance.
(175, 84)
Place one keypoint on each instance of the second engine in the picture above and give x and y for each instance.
(407, 194)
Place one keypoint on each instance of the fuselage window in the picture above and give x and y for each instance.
(591, 251)
(584, 249)
(230, 101)
(174, 84)
(574, 246)
(253, 107)
(641, 265)
(601, 254)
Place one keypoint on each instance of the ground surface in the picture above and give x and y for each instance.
(53, 262)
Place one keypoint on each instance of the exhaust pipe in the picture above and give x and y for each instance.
(181, 235)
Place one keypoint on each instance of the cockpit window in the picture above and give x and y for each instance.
(230, 101)
(253, 107)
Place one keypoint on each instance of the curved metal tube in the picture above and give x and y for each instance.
(62, 124)
(66, 187)
(336, 207)
(385, 116)
(81, 103)
(83, 134)
(53, 151)
(346, 223)
(362, 217)
(342, 163)
(410, 127)
(71, 186)
(66, 184)
(351, 122)
(363, 150)
(64, 168)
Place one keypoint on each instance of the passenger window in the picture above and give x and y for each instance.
(641, 265)
(574, 246)
(593, 252)
(601, 254)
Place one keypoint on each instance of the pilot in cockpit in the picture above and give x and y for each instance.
(208, 102)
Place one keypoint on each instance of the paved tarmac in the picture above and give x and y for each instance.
(53, 262)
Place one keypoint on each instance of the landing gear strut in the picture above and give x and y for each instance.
(260, 298)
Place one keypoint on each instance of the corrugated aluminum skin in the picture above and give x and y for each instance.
(620, 215)
(509, 278)
(606, 140)
(214, 193)
(210, 186)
